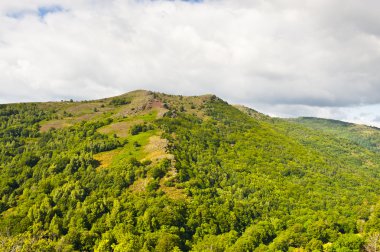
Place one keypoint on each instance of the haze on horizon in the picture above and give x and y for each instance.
(282, 57)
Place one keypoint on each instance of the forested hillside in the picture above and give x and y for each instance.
(154, 172)
(363, 135)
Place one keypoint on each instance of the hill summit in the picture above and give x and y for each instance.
(147, 171)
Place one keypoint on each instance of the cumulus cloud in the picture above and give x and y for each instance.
(315, 55)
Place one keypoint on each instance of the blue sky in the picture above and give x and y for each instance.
(40, 11)
(283, 57)
(44, 10)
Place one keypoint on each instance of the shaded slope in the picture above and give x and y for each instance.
(366, 136)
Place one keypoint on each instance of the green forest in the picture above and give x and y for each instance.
(148, 171)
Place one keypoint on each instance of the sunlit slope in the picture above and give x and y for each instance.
(147, 171)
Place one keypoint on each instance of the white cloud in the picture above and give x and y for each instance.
(361, 114)
(322, 55)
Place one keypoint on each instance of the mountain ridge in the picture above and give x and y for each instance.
(243, 108)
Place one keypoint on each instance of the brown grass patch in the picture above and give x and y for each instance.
(161, 112)
(121, 129)
(105, 158)
(140, 185)
(82, 108)
(171, 192)
(156, 149)
(85, 117)
(56, 124)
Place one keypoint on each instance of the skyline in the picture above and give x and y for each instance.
(282, 58)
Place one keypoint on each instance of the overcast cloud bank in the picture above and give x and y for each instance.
(287, 58)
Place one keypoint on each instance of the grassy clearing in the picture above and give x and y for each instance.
(56, 124)
(69, 114)
(134, 148)
(121, 129)
(148, 117)
(105, 158)
(83, 108)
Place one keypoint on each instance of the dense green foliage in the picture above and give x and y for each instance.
(236, 182)
(118, 101)
(366, 136)
(138, 128)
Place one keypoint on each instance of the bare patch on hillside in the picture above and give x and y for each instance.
(121, 129)
(156, 149)
(139, 102)
(158, 106)
(82, 108)
(72, 113)
(56, 124)
(140, 185)
(171, 191)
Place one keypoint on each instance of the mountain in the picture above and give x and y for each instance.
(147, 171)
(366, 136)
